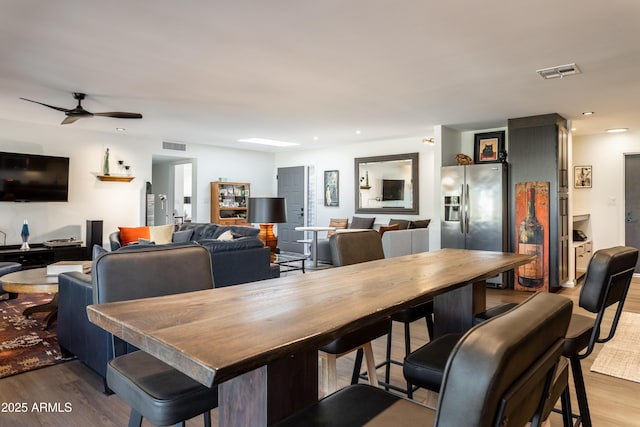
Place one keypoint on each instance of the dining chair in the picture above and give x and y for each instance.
(606, 283)
(496, 375)
(154, 390)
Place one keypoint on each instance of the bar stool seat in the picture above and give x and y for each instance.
(425, 367)
(161, 394)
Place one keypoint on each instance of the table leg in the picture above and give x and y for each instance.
(315, 249)
(269, 393)
(454, 310)
(51, 307)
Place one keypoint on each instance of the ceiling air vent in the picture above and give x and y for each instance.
(177, 146)
(559, 71)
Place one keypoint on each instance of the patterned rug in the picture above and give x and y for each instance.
(620, 357)
(24, 346)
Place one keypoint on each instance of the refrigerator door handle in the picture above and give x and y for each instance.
(467, 204)
(461, 207)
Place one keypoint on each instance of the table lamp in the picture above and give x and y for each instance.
(266, 211)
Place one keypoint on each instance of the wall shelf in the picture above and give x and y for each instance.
(114, 178)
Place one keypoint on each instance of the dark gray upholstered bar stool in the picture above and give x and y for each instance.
(512, 371)
(6, 268)
(346, 249)
(153, 389)
(606, 283)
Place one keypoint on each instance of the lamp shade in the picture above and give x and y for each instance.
(187, 200)
(267, 210)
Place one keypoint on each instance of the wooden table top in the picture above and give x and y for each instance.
(215, 335)
(32, 281)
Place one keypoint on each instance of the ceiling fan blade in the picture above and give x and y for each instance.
(47, 105)
(120, 115)
(70, 119)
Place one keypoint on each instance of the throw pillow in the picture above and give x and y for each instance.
(384, 228)
(132, 234)
(361, 222)
(422, 223)
(227, 235)
(183, 236)
(161, 234)
(403, 224)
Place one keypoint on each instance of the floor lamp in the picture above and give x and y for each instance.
(266, 211)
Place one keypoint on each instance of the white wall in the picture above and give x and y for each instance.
(342, 159)
(117, 204)
(605, 200)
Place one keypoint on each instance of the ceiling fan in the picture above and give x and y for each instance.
(80, 113)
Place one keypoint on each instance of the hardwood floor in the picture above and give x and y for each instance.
(70, 394)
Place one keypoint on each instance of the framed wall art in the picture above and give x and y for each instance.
(331, 188)
(488, 146)
(582, 177)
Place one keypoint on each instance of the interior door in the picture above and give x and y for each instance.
(632, 201)
(291, 187)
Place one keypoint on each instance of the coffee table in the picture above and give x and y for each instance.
(284, 260)
(36, 281)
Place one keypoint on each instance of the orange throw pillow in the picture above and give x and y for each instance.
(384, 228)
(132, 234)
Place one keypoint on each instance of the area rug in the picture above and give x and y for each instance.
(620, 357)
(24, 346)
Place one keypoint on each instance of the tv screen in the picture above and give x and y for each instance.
(33, 178)
(392, 189)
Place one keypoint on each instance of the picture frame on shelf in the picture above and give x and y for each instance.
(582, 177)
(488, 146)
(331, 188)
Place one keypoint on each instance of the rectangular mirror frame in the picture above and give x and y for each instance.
(414, 210)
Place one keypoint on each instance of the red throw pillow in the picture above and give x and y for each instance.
(132, 234)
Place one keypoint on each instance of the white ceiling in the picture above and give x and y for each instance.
(213, 72)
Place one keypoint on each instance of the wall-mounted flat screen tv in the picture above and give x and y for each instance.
(33, 178)
(392, 189)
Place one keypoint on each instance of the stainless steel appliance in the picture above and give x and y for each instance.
(475, 209)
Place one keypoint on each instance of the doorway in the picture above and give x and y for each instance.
(173, 190)
(291, 187)
(632, 202)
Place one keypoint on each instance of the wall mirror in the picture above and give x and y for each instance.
(387, 184)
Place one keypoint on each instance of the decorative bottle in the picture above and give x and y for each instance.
(531, 242)
(105, 166)
(25, 236)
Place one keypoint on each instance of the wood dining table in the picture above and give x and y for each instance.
(258, 342)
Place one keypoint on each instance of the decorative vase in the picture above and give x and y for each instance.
(105, 166)
(25, 236)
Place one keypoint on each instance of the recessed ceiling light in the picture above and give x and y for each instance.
(617, 130)
(267, 141)
(120, 129)
(558, 71)
(358, 132)
(574, 129)
(315, 138)
(587, 113)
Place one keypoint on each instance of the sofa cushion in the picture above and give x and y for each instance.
(403, 224)
(132, 234)
(182, 236)
(161, 234)
(237, 231)
(361, 222)
(231, 245)
(385, 228)
(421, 223)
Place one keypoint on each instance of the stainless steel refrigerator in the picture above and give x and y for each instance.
(475, 209)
